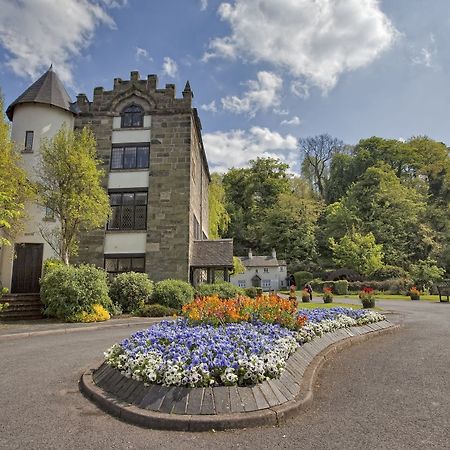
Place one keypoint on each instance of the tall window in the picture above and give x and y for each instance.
(129, 211)
(130, 156)
(126, 263)
(197, 231)
(29, 135)
(132, 117)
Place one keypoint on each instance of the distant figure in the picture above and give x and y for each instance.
(291, 281)
(308, 289)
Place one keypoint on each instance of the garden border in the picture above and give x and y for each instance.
(330, 344)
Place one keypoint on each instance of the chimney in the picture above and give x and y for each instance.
(250, 254)
(274, 254)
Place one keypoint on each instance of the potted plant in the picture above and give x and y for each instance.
(367, 297)
(414, 293)
(305, 296)
(327, 295)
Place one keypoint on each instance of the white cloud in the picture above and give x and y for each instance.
(210, 107)
(261, 95)
(426, 55)
(236, 148)
(142, 54)
(317, 40)
(37, 33)
(281, 112)
(170, 67)
(294, 121)
(300, 89)
(203, 5)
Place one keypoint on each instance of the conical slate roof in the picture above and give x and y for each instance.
(47, 90)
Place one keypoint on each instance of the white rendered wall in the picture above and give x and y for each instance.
(130, 135)
(45, 121)
(276, 276)
(129, 179)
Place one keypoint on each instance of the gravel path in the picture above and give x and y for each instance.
(391, 392)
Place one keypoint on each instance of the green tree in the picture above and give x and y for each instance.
(15, 189)
(358, 252)
(219, 219)
(70, 184)
(425, 273)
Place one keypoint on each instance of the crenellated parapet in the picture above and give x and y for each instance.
(144, 92)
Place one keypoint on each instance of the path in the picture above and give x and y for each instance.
(391, 392)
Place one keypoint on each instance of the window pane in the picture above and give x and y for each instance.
(29, 141)
(128, 198)
(114, 221)
(129, 158)
(111, 264)
(116, 158)
(136, 120)
(126, 120)
(127, 217)
(142, 157)
(141, 198)
(141, 216)
(115, 199)
(137, 264)
(124, 264)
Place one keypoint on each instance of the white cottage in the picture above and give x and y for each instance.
(266, 272)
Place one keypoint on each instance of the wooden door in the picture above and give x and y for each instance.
(27, 268)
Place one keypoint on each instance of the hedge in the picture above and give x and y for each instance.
(130, 290)
(172, 293)
(223, 290)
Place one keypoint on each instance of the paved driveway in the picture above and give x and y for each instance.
(391, 392)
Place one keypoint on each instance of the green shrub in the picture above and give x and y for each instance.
(155, 310)
(251, 292)
(130, 289)
(389, 272)
(302, 277)
(223, 290)
(172, 293)
(51, 263)
(319, 285)
(341, 287)
(68, 291)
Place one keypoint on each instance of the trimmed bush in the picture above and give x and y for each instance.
(68, 291)
(51, 263)
(130, 289)
(155, 310)
(172, 293)
(389, 272)
(251, 292)
(341, 287)
(223, 290)
(319, 285)
(302, 277)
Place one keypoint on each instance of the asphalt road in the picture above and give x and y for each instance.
(392, 392)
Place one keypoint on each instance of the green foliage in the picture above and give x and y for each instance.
(341, 287)
(302, 277)
(155, 310)
(172, 293)
(388, 272)
(358, 252)
(50, 264)
(251, 292)
(219, 219)
(70, 184)
(425, 273)
(130, 289)
(68, 291)
(223, 290)
(15, 189)
(327, 295)
(238, 267)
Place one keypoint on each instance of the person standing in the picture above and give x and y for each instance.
(308, 288)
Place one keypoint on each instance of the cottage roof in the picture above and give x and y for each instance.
(212, 253)
(262, 261)
(48, 90)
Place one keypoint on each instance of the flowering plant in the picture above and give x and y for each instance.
(414, 293)
(367, 297)
(327, 295)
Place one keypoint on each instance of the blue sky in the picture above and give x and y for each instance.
(263, 72)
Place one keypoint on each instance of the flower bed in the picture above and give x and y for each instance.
(223, 343)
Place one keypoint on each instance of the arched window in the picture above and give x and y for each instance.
(132, 117)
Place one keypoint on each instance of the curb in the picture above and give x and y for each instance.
(271, 416)
(28, 334)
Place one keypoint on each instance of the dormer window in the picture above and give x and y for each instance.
(132, 117)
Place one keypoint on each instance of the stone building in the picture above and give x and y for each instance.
(157, 178)
(266, 272)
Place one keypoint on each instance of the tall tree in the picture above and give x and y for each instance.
(317, 153)
(15, 189)
(70, 184)
(219, 219)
